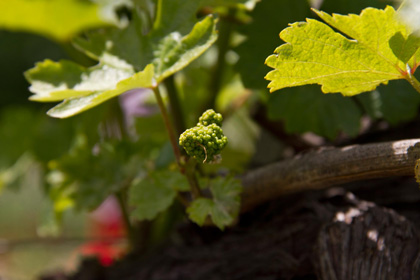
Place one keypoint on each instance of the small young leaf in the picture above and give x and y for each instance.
(58, 19)
(315, 54)
(223, 208)
(155, 193)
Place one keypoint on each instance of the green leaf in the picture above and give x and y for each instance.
(175, 40)
(78, 178)
(241, 4)
(155, 193)
(223, 208)
(200, 209)
(306, 109)
(58, 19)
(18, 174)
(81, 88)
(315, 54)
(268, 17)
(397, 102)
(353, 7)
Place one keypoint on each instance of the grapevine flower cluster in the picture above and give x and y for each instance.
(206, 140)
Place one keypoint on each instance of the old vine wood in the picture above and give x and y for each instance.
(327, 167)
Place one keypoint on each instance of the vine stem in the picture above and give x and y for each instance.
(329, 166)
(169, 127)
(189, 169)
(225, 34)
(411, 79)
(126, 218)
(175, 106)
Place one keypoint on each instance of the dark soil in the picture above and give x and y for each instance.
(364, 230)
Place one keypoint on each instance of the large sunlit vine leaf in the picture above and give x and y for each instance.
(58, 19)
(155, 193)
(377, 51)
(128, 58)
(222, 208)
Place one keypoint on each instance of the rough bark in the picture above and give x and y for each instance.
(367, 242)
(327, 167)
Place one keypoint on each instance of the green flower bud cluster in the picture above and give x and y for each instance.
(205, 141)
(209, 117)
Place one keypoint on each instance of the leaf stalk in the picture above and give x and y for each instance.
(189, 169)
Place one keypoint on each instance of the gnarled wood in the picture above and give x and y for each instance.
(327, 167)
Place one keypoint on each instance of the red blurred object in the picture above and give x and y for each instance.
(107, 229)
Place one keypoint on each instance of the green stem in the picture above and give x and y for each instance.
(168, 126)
(114, 128)
(412, 80)
(130, 231)
(225, 32)
(190, 173)
(188, 170)
(175, 105)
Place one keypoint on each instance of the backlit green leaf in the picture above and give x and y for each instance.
(58, 19)
(315, 54)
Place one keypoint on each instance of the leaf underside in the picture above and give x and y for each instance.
(376, 50)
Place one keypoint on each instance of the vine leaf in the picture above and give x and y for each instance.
(223, 208)
(56, 19)
(325, 115)
(81, 88)
(77, 179)
(315, 54)
(127, 58)
(155, 193)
